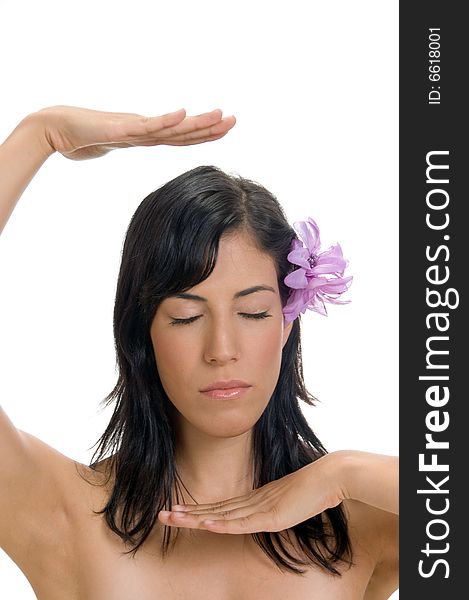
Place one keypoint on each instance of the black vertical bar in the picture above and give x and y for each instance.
(433, 357)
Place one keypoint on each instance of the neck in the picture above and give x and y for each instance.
(213, 468)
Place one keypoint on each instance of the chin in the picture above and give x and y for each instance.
(224, 427)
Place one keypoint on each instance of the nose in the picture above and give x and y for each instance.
(222, 342)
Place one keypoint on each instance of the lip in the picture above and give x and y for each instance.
(226, 385)
(227, 393)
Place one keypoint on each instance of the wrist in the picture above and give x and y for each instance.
(369, 478)
(346, 467)
(36, 125)
(21, 155)
(335, 470)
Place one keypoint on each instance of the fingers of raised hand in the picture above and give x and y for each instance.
(177, 123)
(249, 513)
(190, 140)
(194, 130)
(237, 521)
(173, 128)
(221, 505)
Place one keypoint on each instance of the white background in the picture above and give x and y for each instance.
(314, 87)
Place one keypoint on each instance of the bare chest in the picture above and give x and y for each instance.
(91, 565)
(201, 566)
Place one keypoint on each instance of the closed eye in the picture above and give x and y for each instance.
(261, 315)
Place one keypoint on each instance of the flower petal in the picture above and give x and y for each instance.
(294, 306)
(318, 305)
(330, 261)
(312, 300)
(299, 256)
(296, 279)
(309, 233)
(337, 285)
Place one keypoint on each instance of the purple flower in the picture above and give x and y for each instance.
(310, 287)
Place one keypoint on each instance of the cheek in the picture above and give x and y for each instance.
(171, 361)
(267, 357)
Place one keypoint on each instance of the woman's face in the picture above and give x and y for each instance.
(222, 342)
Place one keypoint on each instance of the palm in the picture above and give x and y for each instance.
(81, 133)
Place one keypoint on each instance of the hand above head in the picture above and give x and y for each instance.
(81, 133)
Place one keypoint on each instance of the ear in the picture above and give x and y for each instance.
(286, 332)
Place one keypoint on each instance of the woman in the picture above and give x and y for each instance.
(207, 437)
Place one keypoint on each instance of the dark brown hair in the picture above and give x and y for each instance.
(171, 245)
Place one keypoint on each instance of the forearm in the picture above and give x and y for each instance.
(370, 478)
(21, 156)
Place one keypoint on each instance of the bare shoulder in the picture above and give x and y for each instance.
(376, 532)
(40, 501)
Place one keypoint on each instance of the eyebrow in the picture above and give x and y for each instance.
(247, 291)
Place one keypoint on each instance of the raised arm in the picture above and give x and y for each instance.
(21, 156)
(32, 473)
(81, 134)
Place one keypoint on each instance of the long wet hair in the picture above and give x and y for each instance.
(171, 245)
